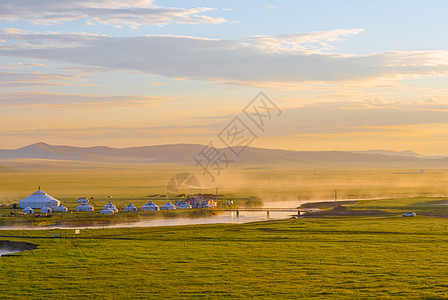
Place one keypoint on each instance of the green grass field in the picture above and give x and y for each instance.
(334, 258)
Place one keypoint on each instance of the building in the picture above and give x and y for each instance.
(130, 207)
(38, 200)
(111, 206)
(27, 210)
(150, 206)
(60, 208)
(168, 206)
(183, 205)
(45, 210)
(85, 207)
(200, 201)
(107, 211)
(82, 200)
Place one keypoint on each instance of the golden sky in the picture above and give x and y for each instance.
(346, 75)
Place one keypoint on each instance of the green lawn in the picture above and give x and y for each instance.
(354, 258)
(431, 206)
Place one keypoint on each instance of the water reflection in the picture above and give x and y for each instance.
(3, 252)
(222, 217)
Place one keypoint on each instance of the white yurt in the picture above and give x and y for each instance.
(45, 210)
(107, 211)
(111, 207)
(183, 205)
(60, 208)
(27, 210)
(150, 206)
(85, 207)
(130, 207)
(39, 199)
(168, 206)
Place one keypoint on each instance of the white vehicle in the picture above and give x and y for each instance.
(409, 214)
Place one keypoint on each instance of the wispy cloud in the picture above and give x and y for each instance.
(78, 101)
(312, 42)
(249, 61)
(115, 12)
(22, 79)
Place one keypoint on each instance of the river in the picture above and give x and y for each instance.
(3, 252)
(224, 217)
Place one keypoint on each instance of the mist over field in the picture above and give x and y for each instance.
(271, 182)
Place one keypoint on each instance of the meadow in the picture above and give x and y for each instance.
(387, 257)
(332, 257)
(127, 183)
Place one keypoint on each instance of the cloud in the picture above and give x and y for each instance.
(78, 101)
(323, 119)
(251, 61)
(153, 83)
(22, 79)
(116, 12)
(19, 65)
(313, 42)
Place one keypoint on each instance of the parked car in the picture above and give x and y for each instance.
(409, 214)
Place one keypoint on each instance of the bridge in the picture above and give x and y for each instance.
(266, 209)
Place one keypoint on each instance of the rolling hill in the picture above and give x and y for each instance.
(255, 157)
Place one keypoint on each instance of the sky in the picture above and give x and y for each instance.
(345, 75)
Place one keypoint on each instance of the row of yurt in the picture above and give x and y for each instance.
(60, 208)
(46, 203)
(43, 210)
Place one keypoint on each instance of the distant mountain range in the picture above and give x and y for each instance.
(253, 157)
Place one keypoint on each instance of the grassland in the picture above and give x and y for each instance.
(334, 258)
(133, 183)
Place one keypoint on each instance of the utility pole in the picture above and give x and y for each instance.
(335, 198)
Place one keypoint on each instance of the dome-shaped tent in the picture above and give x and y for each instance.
(183, 205)
(39, 199)
(45, 210)
(60, 208)
(150, 206)
(85, 207)
(168, 206)
(27, 210)
(130, 207)
(107, 211)
(111, 207)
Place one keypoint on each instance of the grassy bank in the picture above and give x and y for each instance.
(362, 257)
(96, 218)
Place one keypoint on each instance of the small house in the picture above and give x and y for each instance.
(107, 211)
(111, 206)
(45, 210)
(150, 206)
(85, 207)
(168, 206)
(199, 201)
(183, 205)
(82, 200)
(130, 207)
(60, 208)
(28, 210)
